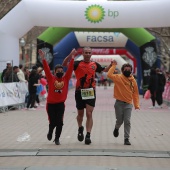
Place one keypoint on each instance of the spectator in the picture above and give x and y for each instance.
(32, 89)
(7, 74)
(39, 76)
(8, 65)
(104, 75)
(11, 75)
(20, 74)
(26, 73)
(153, 86)
(160, 89)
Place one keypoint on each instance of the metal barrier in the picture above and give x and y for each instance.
(12, 95)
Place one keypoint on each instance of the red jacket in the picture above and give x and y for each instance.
(57, 87)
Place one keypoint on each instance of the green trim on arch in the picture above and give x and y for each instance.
(138, 36)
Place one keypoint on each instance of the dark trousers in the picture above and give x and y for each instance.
(37, 99)
(31, 100)
(55, 115)
(153, 97)
(159, 97)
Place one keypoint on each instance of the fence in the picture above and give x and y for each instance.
(12, 95)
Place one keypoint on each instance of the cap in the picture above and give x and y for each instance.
(8, 62)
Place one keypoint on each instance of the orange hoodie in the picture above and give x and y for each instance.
(125, 88)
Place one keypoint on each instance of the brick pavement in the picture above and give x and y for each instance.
(150, 138)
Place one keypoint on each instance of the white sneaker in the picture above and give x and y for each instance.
(36, 104)
(41, 105)
(157, 106)
(152, 107)
(32, 109)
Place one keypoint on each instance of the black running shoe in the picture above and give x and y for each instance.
(116, 133)
(57, 142)
(49, 136)
(126, 142)
(80, 135)
(87, 140)
(50, 132)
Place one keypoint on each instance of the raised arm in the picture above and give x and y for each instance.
(108, 67)
(69, 57)
(45, 64)
(111, 70)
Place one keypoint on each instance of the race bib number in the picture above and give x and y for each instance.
(87, 93)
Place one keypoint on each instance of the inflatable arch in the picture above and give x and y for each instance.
(72, 40)
(87, 14)
(111, 14)
(139, 36)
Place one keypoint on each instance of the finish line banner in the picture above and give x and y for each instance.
(101, 39)
(12, 93)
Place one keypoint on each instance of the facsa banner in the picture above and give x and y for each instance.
(12, 93)
(101, 39)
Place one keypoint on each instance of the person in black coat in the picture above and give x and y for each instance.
(153, 86)
(32, 88)
(160, 88)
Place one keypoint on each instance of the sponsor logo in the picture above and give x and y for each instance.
(96, 13)
(100, 38)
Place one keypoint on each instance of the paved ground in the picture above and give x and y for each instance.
(150, 138)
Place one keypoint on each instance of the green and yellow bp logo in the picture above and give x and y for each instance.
(95, 13)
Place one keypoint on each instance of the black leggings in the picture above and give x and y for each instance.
(55, 115)
(31, 100)
(153, 97)
(159, 97)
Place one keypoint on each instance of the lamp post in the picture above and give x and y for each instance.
(31, 50)
(22, 44)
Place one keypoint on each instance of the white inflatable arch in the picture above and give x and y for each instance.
(77, 14)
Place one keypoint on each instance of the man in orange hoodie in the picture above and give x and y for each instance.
(125, 92)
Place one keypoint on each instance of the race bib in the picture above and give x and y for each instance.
(87, 93)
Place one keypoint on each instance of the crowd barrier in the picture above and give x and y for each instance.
(166, 94)
(12, 95)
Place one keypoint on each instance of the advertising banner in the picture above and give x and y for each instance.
(101, 39)
(148, 61)
(48, 49)
(12, 93)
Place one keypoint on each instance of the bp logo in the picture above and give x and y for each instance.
(95, 13)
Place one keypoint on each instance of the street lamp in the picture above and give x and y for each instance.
(22, 43)
(31, 50)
